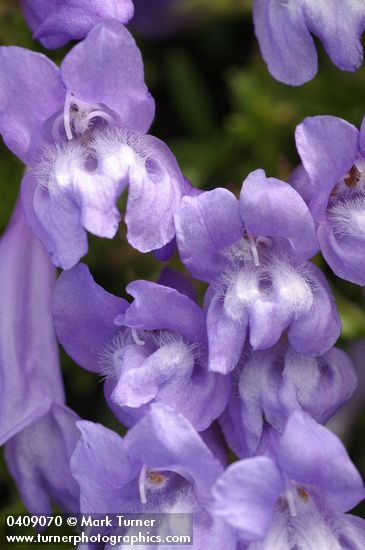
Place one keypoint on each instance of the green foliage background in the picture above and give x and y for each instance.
(222, 115)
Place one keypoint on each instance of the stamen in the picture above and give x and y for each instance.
(136, 338)
(66, 115)
(255, 254)
(291, 502)
(100, 114)
(142, 484)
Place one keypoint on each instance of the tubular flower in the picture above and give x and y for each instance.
(297, 499)
(81, 130)
(153, 350)
(332, 181)
(253, 253)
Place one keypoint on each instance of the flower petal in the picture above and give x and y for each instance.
(160, 307)
(29, 361)
(83, 315)
(165, 440)
(54, 24)
(285, 42)
(102, 468)
(328, 147)
(95, 74)
(245, 495)
(339, 26)
(31, 92)
(155, 191)
(314, 457)
(226, 337)
(272, 208)
(205, 226)
(38, 458)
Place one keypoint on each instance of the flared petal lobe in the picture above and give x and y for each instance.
(83, 314)
(54, 23)
(107, 68)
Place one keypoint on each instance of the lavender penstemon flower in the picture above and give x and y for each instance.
(161, 465)
(332, 180)
(269, 385)
(153, 350)
(253, 253)
(84, 138)
(296, 499)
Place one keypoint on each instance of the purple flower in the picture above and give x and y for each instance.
(270, 384)
(152, 350)
(81, 129)
(284, 29)
(161, 465)
(253, 253)
(38, 458)
(332, 181)
(299, 499)
(29, 363)
(55, 22)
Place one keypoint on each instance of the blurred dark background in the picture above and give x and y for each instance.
(223, 116)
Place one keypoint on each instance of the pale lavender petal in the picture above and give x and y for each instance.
(226, 337)
(155, 191)
(101, 487)
(205, 226)
(38, 458)
(317, 331)
(55, 220)
(54, 23)
(274, 209)
(31, 91)
(160, 307)
(29, 361)
(339, 25)
(314, 457)
(165, 440)
(94, 73)
(245, 496)
(328, 147)
(83, 314)
(285, 42)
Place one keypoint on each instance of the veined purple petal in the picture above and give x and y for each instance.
(285, 42)
(160, 307)
(314, 457)
(274, 209)
(165, 440)
(56, 22)
(94, 73)
(38, 458)
(83, 315)
(245, 495)
(31, 91)
(328, 147)
(29, 362)
(205, 226)
(102, 486)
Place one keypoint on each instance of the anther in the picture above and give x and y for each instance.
(253, 246)
(142, 484)
(136, 338)
(66, 115)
